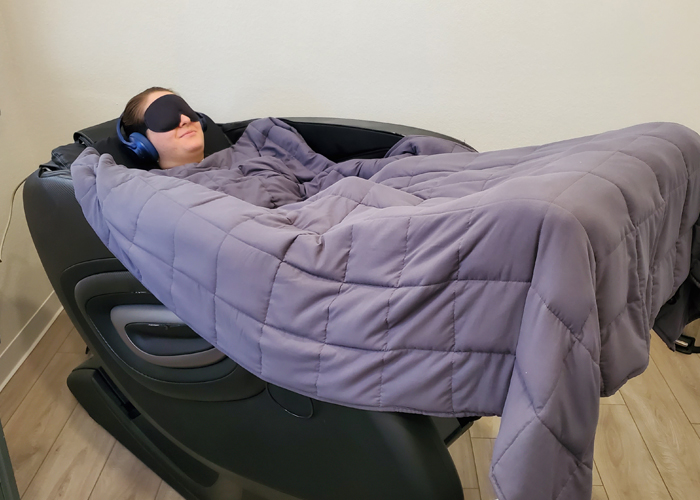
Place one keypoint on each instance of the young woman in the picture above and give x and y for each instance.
(165, 126)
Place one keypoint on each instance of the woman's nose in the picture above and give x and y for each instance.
(184, 120)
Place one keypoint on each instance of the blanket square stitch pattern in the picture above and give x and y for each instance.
(436, 280)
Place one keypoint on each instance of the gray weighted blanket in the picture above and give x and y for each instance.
(520, 283)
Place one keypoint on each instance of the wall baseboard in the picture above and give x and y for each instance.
(26, 340)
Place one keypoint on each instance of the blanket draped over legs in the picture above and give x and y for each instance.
(436, 280)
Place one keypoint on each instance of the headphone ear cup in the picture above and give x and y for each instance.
(142, 147)
(138, 144)
(203, 121)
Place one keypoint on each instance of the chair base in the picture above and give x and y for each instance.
(336, 460)
(192, 479)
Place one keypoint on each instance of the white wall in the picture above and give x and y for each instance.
(495, 73)
(26, 302)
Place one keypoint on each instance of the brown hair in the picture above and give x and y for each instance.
(132, 117)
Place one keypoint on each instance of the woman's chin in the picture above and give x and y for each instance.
(193, 143)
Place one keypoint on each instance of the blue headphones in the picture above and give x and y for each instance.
(139, 144)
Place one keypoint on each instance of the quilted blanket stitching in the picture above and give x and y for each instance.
(454, 323)
(328, 316)
(229, 235)
(577, 336)
(172, 264)
(674, 250)
(216, 288)
(506, 448)
(526, 157)
(645, 305)
(388, 307)
(216, 296)
(269, 299)
(537, 417)
(571, 477)
(685, 160)
(136, 224)
(531, 399)
(387, 217)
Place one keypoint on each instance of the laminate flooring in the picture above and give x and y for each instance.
(647, 443)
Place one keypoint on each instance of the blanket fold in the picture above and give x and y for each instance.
(435, 280)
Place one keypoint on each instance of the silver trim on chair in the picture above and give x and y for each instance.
(123, 315)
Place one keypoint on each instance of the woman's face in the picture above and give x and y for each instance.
(179, 146)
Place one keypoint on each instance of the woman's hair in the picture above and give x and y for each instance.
(132, 117)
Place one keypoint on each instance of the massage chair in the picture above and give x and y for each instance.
(201, 422)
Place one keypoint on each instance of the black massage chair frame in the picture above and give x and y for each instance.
(206, 426)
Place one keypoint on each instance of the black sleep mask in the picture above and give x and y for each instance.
(164, 113)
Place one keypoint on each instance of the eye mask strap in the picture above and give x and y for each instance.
(164, 113)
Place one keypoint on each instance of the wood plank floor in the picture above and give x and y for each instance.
(647, 443)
